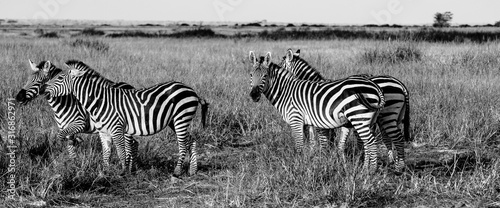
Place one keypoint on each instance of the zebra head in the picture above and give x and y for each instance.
(42, 73)
(259, 74)
(288, 59)
(63, 83)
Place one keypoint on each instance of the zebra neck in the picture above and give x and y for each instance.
(279, 87)
(90, 92)
(61, 106)
(55, 102)
(302, 70)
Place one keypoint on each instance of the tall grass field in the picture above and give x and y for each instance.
(247, 154)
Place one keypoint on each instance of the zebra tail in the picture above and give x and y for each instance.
(365, 102)
(204, 111)
(406, 121)
(406, 118)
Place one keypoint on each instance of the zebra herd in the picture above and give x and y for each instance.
(84, 101)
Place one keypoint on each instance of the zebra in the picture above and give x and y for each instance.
(326, 105)
(396, 110)
(122, 113)
(69, 114)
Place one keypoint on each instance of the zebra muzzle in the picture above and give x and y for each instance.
(255, 94)
(21, 97)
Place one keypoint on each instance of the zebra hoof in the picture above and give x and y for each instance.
(77, 140)
(177, 172)
(192, 172)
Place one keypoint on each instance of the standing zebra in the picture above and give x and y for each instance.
(125, 112)
(396, 110)
(325, 105)
(69, 114)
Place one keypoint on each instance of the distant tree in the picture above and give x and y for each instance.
(442, 19)
(497, 24)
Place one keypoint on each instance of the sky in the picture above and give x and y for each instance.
(352, 12)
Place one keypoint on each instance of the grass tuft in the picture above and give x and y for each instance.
(393, 54)
(88, 44)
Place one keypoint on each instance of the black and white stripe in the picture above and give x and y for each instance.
(126, 112)
(395, 111)
(69, 115)
(325, 105)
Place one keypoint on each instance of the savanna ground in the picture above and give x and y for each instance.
(454, 105)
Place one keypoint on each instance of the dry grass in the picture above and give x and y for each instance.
(454, 100)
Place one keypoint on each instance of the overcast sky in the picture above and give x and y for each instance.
(286, 11)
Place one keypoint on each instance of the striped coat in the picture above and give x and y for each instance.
(126, 112)
(325, 105)
(395, 112)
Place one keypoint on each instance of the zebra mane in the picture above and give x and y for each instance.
(53, 71)
(308, 67)
(41, 64)
(84, 67)
(79, 65)
(277, 69)
(261, 60)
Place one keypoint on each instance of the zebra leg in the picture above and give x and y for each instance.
(67, 133)
(344, 133)
(106, 149)
(180, 128)
(323, 139)
(312, 137)
(193, 164)
(362, 127)
(297, 133)
(120, 144)
(131, 149)
(70, 147)
(394, 135)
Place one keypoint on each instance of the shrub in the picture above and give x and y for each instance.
(136, 33)
(92, 32)
(90, 44)
(254, 24)
(49, 35)
(200, 32)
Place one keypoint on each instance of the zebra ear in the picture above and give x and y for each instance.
(76, 72)
(46, 66)
(267, 58)
(33, 66)
(252, 58)
(289, 55)
(297, 53)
